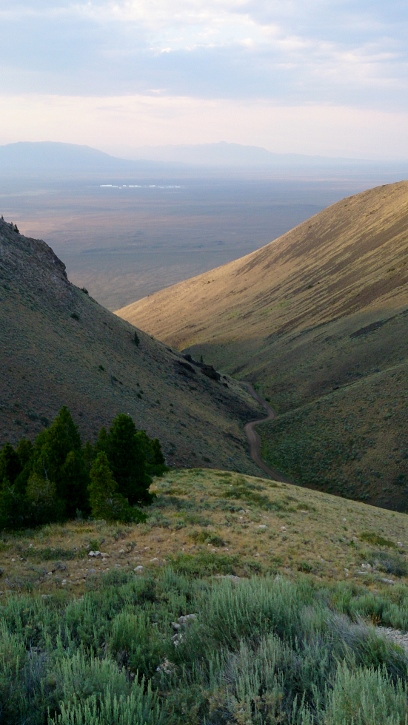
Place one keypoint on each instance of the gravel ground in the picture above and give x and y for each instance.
(396, 635)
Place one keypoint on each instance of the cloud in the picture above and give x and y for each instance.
(297, 53)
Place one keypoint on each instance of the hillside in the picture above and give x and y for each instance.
(244, 525)
(239, 600)
(59, 347)
(317, 319)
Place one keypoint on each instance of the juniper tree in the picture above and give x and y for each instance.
(10, 465)
(155, 463)
(43, 504)
(105, 500)
(52, 447)
(74, 480)
(127, 460)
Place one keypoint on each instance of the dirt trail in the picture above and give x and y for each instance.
(255, 441)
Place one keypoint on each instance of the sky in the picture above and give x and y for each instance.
(326, 77)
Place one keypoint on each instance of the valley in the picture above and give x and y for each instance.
(238, 598)
(317, 322)
(126, 235)
(60, 347)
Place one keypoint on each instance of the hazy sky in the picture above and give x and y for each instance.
(307, 76)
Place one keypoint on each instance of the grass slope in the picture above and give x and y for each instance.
(207, 522)
(317, 320)
(240, 600)
(59, 347)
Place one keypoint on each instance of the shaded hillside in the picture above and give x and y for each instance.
(318, 310)
(59, 347)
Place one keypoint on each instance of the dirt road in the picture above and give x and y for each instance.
(255, 441)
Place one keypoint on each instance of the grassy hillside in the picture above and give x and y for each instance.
(208, 522)
(59, 347)
(317, 320)
(240, 600)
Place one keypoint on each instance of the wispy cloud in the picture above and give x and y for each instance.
(232, 47)
(294, 53)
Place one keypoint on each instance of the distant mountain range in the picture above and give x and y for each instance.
(233, 154)
(44, 157)
(51, 157)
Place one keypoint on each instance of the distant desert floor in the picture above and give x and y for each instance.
(125, 238)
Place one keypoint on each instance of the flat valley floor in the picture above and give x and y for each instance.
(125, 237)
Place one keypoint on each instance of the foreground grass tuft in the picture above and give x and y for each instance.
(174, 648)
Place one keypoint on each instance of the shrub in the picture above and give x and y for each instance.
(138, 707)
(136, 644)
(364, 697)
(372, 538)
(96, 692)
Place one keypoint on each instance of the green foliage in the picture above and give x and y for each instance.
(242, 489)
(138, 707)
(57, 478)
(74, 480)
(10, 465)
(127, 460)
(372, 538)
(24, 451)
(206, 537)
(13, 507)
(389, 562)
(364, 697)
(257, 652)
(42, 500)
(135, 644)
(155, 463)
(105, 500)
(102, 487)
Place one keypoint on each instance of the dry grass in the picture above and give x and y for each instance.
(349, 257)
(212, 522)
(59, 347)
(317, 321)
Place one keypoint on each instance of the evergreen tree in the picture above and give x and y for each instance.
(105, 500)
(75, 480)
(102, 488)
(10, 465)
(155, 463)
(51, 449)
(13, 507)
(24, 451)
(57, 477)
(102, 441)
(127, 460)
(43, 504)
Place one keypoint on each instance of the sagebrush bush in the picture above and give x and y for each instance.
(366, 697)
(260, 651)
(140, 707)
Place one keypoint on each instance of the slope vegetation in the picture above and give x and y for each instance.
(239, 600)
(317, 320)
(59, 347)
(206, 522)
